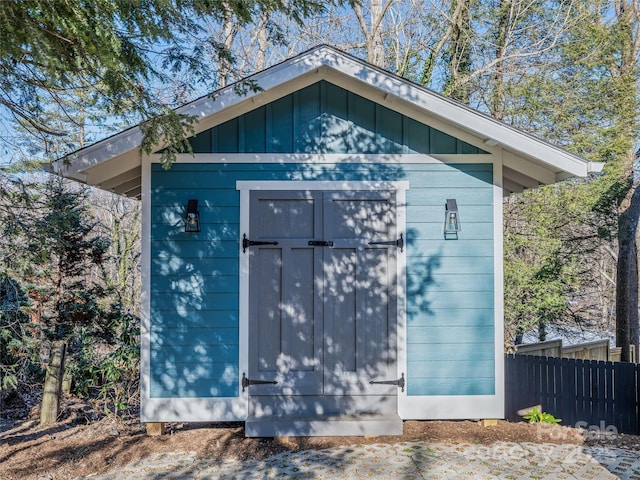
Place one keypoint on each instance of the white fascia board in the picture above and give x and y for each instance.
(528, 168)
(595, 167)
(88, 157)
(77, 176)
(109, 169)
(131, 139)
(272, 77)
(463, 117)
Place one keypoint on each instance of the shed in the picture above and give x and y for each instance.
(329, 261)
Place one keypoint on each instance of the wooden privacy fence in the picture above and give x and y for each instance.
(583, 393)
(596, 350)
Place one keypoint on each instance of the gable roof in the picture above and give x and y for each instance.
(115, 162)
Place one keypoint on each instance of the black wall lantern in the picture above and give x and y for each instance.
(192, 219)
(451, 219)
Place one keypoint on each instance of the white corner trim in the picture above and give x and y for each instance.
(243, 299)
(145, 294)
(498, 290)
(401, 287)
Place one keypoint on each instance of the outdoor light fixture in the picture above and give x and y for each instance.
(451, 219)
(192, 219)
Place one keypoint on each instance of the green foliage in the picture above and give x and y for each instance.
(18, 361)
(106, 363)
(53, 285)
(51, 249)
(11, 319)
(124, 49)
(549, 236)
(58, 249)
(170, 129)
(536, 416)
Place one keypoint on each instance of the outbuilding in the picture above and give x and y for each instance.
(329, 259)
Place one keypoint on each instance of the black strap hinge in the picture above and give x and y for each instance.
(398, 383)
(398, 243)
(247, 382)
(246, 243)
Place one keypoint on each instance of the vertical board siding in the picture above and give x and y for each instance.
(324, 118)
(195, 277)
(590, 394)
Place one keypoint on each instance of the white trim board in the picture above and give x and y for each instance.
(450, 407)
(498, 404)
(145, 301)
(225, 409)
(248, 185)
(329, 158)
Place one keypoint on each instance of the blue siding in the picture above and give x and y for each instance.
(455, 385)
(324, 118)
(195, 277)
(450, 311)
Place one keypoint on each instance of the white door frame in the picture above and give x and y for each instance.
(246, 186)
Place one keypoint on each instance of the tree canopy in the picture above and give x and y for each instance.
(121, 48)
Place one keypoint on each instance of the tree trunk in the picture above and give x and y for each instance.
(459, 52)
(542, 331)
(372, 30)
(627, 276)
(375, 52)
(228, 33)
(501, 35)
(52, 395)
(263, 43)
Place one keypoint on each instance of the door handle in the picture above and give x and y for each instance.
(320, 243)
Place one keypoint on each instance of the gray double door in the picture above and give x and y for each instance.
(322, 293)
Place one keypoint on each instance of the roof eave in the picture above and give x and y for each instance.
(324, 62)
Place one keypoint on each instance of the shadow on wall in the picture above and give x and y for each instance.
(194, 331)
(195, 278)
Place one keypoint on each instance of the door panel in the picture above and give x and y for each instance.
(284, 217)
(360, 304)
(285, 281)
(298, 310)
(341, 337)
(268, 293)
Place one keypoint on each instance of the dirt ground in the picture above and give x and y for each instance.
(84, 443)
